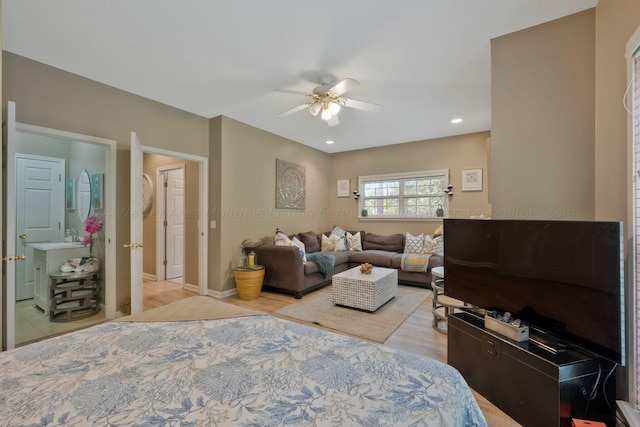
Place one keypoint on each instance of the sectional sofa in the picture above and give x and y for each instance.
(285, 270)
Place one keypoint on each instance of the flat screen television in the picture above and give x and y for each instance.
(562, 277)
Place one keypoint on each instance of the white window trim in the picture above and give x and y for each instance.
(403, 175)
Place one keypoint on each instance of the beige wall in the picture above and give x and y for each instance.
(542, 120)
(50, 97)
(192, 191)
(454, 153)
(247, 186)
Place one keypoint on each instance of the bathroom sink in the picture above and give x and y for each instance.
(58, 245)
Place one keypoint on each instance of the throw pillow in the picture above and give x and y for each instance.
(281, 238)
(328, 243)
(310, 240)
(433, 246)
(341, 243)
(341, 233)
(355, 244)
(439, 231)
(296, 242)
(413, 244)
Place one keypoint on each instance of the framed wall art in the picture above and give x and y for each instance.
(70, 194)
(472, 179)
(97, 191)
(290, 185)
(344, 185)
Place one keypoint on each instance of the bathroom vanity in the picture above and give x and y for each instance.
(47, 259)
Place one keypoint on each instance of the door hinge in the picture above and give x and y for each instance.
(166, 184)
(164, 262)
(165, 223)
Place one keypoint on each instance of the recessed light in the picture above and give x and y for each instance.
(329, 142)
(456, 121)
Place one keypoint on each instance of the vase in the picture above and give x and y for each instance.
(92, 265)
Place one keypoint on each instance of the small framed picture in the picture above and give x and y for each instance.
(97, 190)
(472, 179)
(70, 194)
(344, 185)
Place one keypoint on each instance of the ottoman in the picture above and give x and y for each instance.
(368, 292)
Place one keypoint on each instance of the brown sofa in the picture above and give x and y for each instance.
(285, 271)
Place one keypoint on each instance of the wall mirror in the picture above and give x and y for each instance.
(83, 195)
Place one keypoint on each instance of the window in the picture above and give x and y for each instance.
(413, 195)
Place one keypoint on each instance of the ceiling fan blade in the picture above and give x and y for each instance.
(294, 92)
(361, 105)
(344, 86)
(333, 121)
(293, 110)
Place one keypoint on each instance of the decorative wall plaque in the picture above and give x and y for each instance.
(290, 182)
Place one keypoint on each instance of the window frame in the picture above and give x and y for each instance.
(403, 176)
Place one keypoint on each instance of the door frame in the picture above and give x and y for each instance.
(109, 200)
(203, 231)
(161, 211)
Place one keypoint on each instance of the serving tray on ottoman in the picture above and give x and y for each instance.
(368, 292)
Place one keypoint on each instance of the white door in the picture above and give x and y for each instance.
(174, 241)
(136, 224)
(39, 211)
(9, 229)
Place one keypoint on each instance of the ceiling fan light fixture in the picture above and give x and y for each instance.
(334, 108)
(315, 108)
(326, 114)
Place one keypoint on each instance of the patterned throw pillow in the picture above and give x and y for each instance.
(329, 243)
(282, 239)
(355, 243)
(342, 234)
(434, 246)
(296, 242)
(413, 244)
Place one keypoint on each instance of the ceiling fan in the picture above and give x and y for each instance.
(327, 100)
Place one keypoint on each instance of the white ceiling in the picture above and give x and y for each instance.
(425, 61)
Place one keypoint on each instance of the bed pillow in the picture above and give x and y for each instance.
(413, 244)
(296, 242)
(310, 240)
(355, 244)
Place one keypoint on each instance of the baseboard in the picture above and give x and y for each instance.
(630, 414)
(223, 294)
(190, 287)
(149, 277)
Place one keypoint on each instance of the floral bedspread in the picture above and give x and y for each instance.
(258, 371)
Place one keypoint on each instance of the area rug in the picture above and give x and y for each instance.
(377, 326)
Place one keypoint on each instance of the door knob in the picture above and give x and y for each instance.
(21, 257)
(22, 236)
(7, 259)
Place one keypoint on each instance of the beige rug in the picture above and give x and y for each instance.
(377, 327)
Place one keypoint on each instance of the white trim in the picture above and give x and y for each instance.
(633, 44)
(110, 203)
(149, 277)
(631, 415)
(402, 175)
(203, 271)
(223, 294)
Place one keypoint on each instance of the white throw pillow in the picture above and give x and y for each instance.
(355, 244)
(296, 242)
(281, 238)
(329, 243)
(341, 243)
(434, 246)
(413, 244)
(342, 234)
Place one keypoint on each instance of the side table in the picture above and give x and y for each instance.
(249, 281)
(73, 295)
(443, 306)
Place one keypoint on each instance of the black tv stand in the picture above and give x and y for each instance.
(544, 382)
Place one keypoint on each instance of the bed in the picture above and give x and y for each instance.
(216, 364)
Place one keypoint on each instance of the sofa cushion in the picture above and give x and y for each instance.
(413, 244)
(310, 240)
(373, 256)
(391, 242)
(341, 257)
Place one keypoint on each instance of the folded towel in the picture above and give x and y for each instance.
(325, 262)
(415, 262)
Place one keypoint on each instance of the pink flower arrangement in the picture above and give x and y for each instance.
(92, 225)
